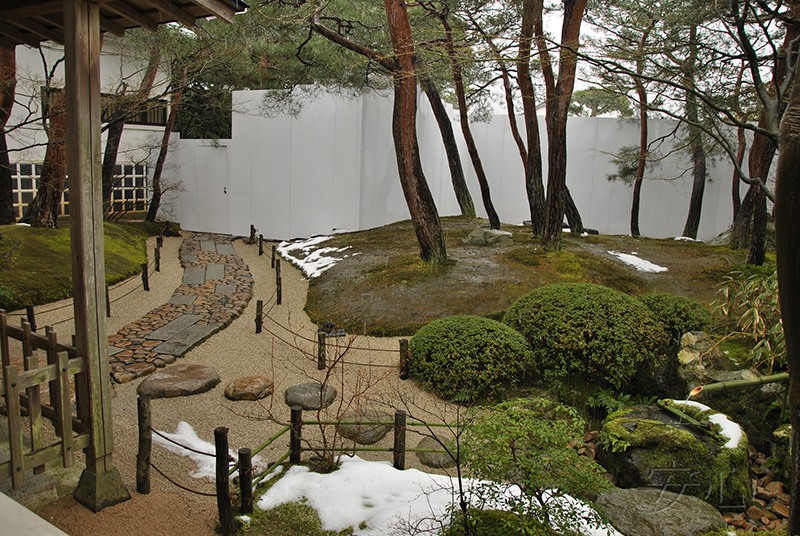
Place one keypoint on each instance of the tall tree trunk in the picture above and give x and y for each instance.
(740, 228)
(113, 139)
(696, 141)
(737, 180)
(404, 131)
(787, 221)
(643, 134)
(156, 184)
(43, 210)
(450, 146)
(534, 183)
(572, 214)
(463, 111)
(8, 84)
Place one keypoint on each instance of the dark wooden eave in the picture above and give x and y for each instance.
(30, 22)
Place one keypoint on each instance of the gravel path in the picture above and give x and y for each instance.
(285, 351)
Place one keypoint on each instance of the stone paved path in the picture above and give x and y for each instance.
(216, 287)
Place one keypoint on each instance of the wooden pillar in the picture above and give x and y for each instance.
(101, 484)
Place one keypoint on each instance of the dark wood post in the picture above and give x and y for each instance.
(158, 259)
(223, 486)
(252, 234)
(260, 245)
(245, 481)
(145, 280)
(278, 291)
(145, 445)
(277, 267)
(108, 303)
(274, 249)
(400, 440)
(160, 241)
(321, 341)
(259, 315)
(404, 364)
(31, 316)
(295, 434)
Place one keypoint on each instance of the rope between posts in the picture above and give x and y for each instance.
(190, 449)
(160, 472)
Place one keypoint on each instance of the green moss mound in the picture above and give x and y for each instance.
(465, 358)
(585, 330)
(678, 313)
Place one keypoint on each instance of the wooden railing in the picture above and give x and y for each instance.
(22, 390)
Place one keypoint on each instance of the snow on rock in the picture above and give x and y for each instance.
(640, 264)
(305, 255)
(728, 428)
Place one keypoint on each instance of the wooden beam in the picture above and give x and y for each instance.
(112, 27)
(32, 10)
(220, 9)
(16, 35)
(5, 43)
(172, 11)
(40, 29)
(136, 17)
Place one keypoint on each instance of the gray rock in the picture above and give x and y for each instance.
(654, 512)
(179, 380)
(249, 388)
(438, 460)
(365, 434)
(310, 396)
(140, 369)
(701, 361)
(489, 237)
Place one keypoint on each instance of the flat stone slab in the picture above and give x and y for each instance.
(189, 258)
(208, 245)
(365, 434)
(113, 350)
(179, 380)
(215, 271)
(194, 276)
(249, 388)
(225, 289)
(183, 341)
(225, 249)
(183, 299)
(171, 329)
(310, 396)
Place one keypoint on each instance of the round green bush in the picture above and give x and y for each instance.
(678, 313)
(465, 358)
(593, 332)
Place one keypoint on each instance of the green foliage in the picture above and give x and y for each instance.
(748, 304)
(496, 523)
(290, 518)
(465, 358)
(587, 330)
(678, 313)
(524, 443)
(596, 101)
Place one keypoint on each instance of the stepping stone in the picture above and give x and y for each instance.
(249, 388)
(113, 350)
(189, 258)
(183, 299)
(365, 434)
(215, 271)
(310, 396)
(179, 380)
(208, 245)
(185, 340)
(225, 249)
(171, 329)
(438, 460)
(141, 369)
(194, 276)
(225, 289)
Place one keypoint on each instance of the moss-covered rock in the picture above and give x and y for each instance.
(657, 449)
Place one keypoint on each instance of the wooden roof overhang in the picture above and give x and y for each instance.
(29, 22)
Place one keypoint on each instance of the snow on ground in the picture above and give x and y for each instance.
(640, 264)
(305, 255)
(360, 493)
(728, 428)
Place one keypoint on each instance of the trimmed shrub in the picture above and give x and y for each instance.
(464, 358)
(678, 313)
(594, 332)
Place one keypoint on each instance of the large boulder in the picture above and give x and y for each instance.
(249, 388)
(650, 447)
(179, 380)
(437, 460)
(702, 362)
(489, 237)
(312, 395)
(654, 512)
(365, 434)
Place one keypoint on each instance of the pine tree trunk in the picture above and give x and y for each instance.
(43, 210)
(404, 118)
(573, 215)
(736, 182)
(8, 83)
(156, 184)
(113, 138)
(740, 228)
(698, 189)
(463, 196)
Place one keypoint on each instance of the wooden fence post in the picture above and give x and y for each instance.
(278, 291)
(277, 267)
(295, 434)
(259, 315)
(108, 303)
(260, 245)
(31, 316)
(245, 481)
(145, 445)
(160, 241)
(399, 440)
(321, 342)
(404, 364)
(252, 234)
(274, 249)
(145, 281)
(223, 486)
(158, 259)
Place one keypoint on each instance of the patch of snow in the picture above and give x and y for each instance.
(315, 261)
(584, 234)
(687, 239)
(640, 264)
(728, 428)
(24, 224)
